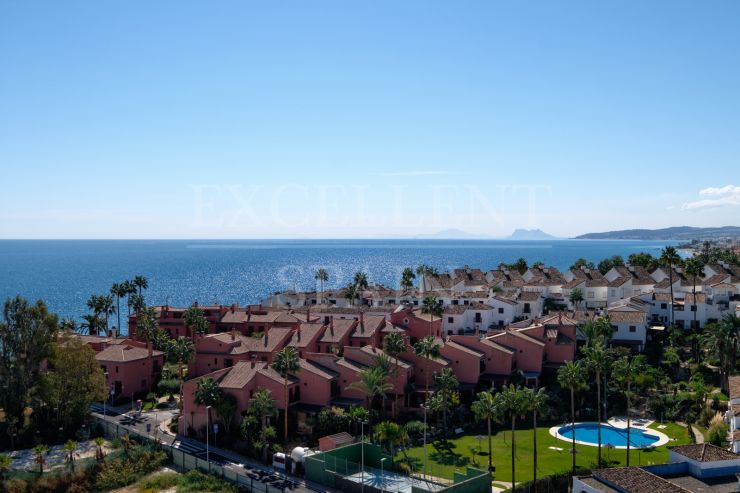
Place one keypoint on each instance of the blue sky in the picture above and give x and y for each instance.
(364, 119)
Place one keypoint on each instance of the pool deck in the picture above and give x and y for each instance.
(616, 422)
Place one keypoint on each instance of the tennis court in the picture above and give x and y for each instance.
(392, 482)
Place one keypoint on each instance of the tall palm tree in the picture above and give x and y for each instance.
(393, 345)
(430, 306)
(351, 293)
(68, 325)
(427, 348)
(182, 351)
(625, 369)
(360, 280)
(385, 365)
(669, 255)
(263, 405)
(597, 361)
(39, 452)
(137, 302)
(407, 278)
(130, 289)
(535, 402)
(285, 363)
(446, 384)
(484, 408)
(119, 290)
(92, 323)
(695, 269)
(107, 308)
(195, 322)
(147, 326)
(372, 383)
(597, 331)
(70, 447)
(322, 276)
(140, 283)
(572, 377)
(208, 393)
(425, 271)
(510, 403)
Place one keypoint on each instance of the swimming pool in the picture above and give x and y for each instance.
(587, 434)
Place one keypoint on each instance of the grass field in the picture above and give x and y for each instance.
(457, 453)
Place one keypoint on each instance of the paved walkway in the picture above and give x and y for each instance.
(698, 434)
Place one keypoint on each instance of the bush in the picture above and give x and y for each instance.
(141, 461)
(169, 386)
(15, 486)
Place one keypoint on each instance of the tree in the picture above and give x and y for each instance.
(137, 302)
(181, 351)
(360, 280)
(225, 409)
(597, 361)
(72, 383)
(572, 377)
(520, 265)
(510, 403)
(262, 405)
(39, 452)
(597, 331)
(195, 322)
(99, 453)
(694, 269)
(582, 263)
(5, 464)
(669, 255)
(424, 271)
(606, 264)
(286, 362)
(625, 370)
(93, 324)
(119, 290)
(322, 276)
(26, 335)
(643, 259)
(407, 278)
(372, 383)
(351, 293)
(70, 447)
(208, 393)
(446, 384)
(721, 340)
(430, 306)
(535, 402)
(391, 433)
(393, 345)
(576, 297)
(484, 408)
(140, 283)
(427, 348)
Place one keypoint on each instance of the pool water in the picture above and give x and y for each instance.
(588, 432)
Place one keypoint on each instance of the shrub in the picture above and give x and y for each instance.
(141, 461)
(15, 486)
(168, 386)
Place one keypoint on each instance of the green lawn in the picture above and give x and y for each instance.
(444, 457)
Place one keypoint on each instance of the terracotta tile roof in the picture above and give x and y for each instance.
(240, 375)
(311, 367)
(124, 353)
(342, 326)
(627, 317)
(734, 382)
(636, 480)
(465, 349)
(704, 452)
(308, 333)
(371, 324)
(529, 296)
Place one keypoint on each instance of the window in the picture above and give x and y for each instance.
(116, 369)
(455, 302)
(615, 328)
(228, 362)
(693, 308)
(478, 318)
(590, 294)
(663, 306)
(450, 320)
(501, 310)
(633, 328)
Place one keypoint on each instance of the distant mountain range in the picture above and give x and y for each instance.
(674, 233)
(530, 234)
(458, 234)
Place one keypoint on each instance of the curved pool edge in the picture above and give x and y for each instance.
(663, 439)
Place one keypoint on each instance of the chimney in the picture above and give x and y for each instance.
(331, 324)
(308, 314)
(298, 333)
(362, 322)
(254, 358)
(266, 334)
(195, 304)
(233, 308)
(233, 334)
(249, 312)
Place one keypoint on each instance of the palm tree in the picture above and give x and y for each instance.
(107, 308)
(385, 365)
(140, 282)
(182, 351)
(430, 306)
(129, 288)
(137, 302)
(351, 293)
(68, 325)
(446, 384)
(572, 377)
(322, 276)
(5, 463)
(360, 280)
(510, 403)
(427, 348)
(669, 255)
(576, 297)
(208, 393)
(597, 361)
(694, 268)
(99, 442)
(147, 326)
(721, 340)
(286, 362)
(424, 271)
(70, 447)
(535, 402)
(119, 290)
(407, 278)
(372, 383)
(625, 369)
(391, 433)
(39, 452)
(393, 345)
(92, 323)
(195, 322)
(484, 408)
(597, 331)
(263, 405)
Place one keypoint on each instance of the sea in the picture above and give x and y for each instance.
(64, 273)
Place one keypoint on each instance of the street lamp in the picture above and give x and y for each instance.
(208, 425)
(106, 394)
(362, 454)
(382, 482)
(424, 471)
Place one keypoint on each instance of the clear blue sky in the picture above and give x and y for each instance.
(361, 119)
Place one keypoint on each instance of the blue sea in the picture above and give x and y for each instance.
(64, 273)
